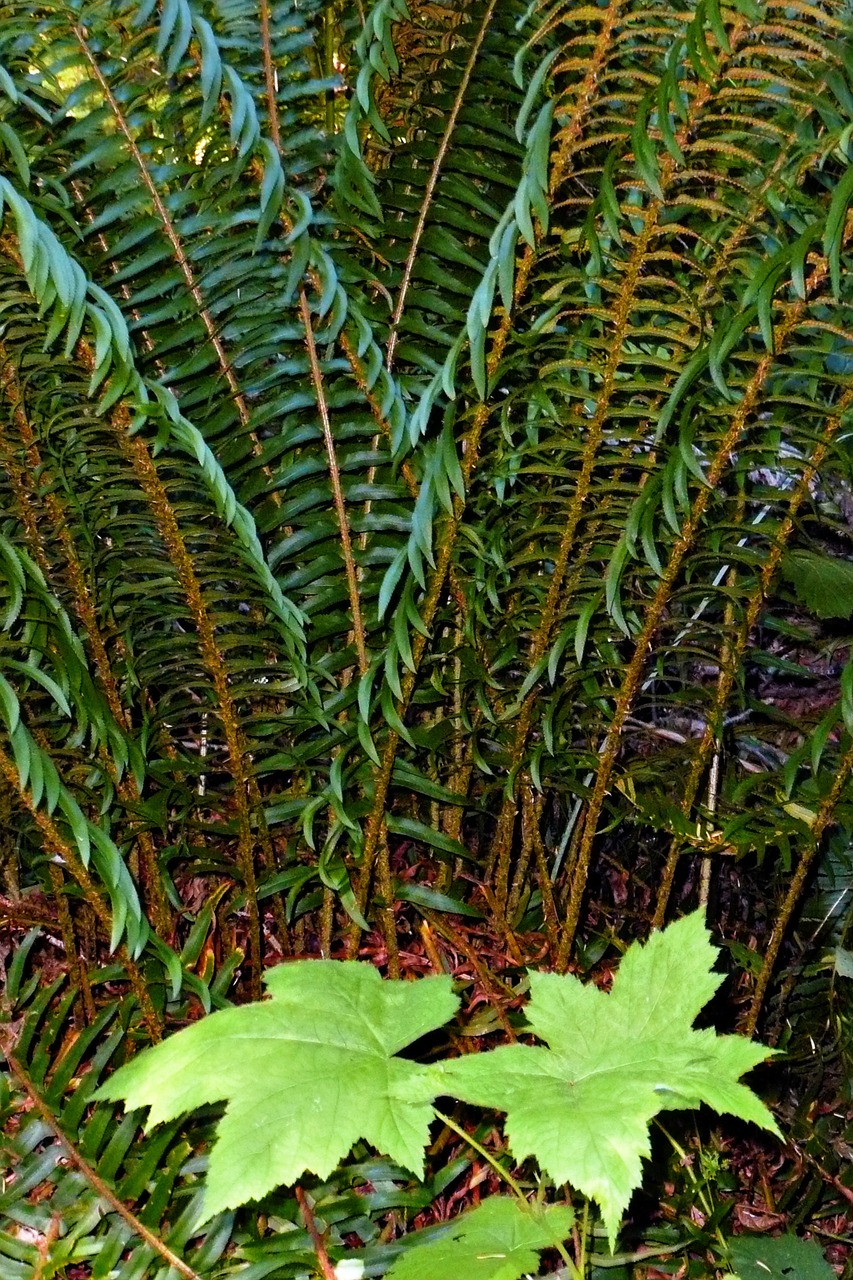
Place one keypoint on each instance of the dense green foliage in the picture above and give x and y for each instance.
(305, 1074)
(425, 487)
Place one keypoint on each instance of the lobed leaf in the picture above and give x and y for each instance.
(583, 1105)
(499, 1240)
(305, 1075)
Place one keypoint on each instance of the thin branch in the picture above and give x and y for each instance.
(74, 863)
(822, 820)
(570, 141)
(728, 671)
(317, 1240)
(28, 496)
(570, 135)
(429, 608)
(337, 491)
(426, 203)
(609, 382)
(471, 1141)
(137, 453)
(654, 614)
(93, 1177)
(172, 236)
(269, 74)
(317, 372)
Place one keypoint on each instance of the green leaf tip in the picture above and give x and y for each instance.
(824, 584)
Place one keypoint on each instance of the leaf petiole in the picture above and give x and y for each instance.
(482, 1151)
(510, 1181)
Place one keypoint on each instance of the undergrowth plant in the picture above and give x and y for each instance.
(315, 1069)
(425, 495)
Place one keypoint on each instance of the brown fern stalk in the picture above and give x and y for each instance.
(68, 933)
(571, 134)
(96, 1182)
(654, 613)
(83, 606)
(446, 545)
(823, 819)
(502, 842)
(337, 490)
(327, 1270)
(269, 75)
(450, 530)
(728, 670)
(137, 454)
(570, 143)
(432, 181)
(351, 568)
(382, 777)
(577, 505)
(499, 864)
(171, 233)
(149, 859)
(60, 847)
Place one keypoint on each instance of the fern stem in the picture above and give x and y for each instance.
(386, 891)
(472, 1142)
(435, 589)
(570, 134)
(822, 820)
(84, 608)
(337, 490)
(528, 823)
(60, 846)
(23, 496)
(269, 74)
(577, 504)
(317, 1240)
(329, 62)
(94, 1179)
(499, 863)
(69, 940)
(432, 181)
(654, 613)
(173, 238)
(546, 889)
(380, 419)
(350, 567)
(502, 842)
(728, 671)
(140, 459)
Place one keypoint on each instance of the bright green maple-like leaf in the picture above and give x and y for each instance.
(583, 1105)
(500, 1240)
(305, 1075)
